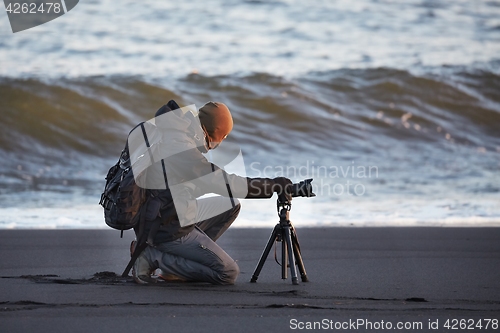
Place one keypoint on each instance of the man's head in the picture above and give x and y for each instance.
(216, 121)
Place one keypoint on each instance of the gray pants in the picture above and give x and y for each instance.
(196, 256)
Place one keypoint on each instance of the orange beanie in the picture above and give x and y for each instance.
(217, 120)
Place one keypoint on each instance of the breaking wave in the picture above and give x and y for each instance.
(426, 134)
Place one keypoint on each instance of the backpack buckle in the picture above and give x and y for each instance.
(105, 202)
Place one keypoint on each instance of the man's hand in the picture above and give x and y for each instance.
(282, 186)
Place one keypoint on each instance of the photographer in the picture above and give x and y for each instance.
(186, 228)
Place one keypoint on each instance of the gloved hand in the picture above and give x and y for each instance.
(282, 186)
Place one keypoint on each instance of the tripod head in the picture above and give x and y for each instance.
(284, 204)
(301, 189)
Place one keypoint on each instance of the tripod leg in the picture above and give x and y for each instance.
(284, 256)
(288, 240)
(298, 256)
(264, 255)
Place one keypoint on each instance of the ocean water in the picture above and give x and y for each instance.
(391, 106)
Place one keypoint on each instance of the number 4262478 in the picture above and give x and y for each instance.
(32, 8)
(470, 324)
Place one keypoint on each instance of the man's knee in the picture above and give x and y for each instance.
(236, 202)
(230, 273)
(236, 208)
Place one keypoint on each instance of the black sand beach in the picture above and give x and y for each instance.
(371, 276)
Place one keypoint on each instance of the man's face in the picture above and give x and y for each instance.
(214, 144)
(211, 143)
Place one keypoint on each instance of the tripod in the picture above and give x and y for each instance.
(284, 232)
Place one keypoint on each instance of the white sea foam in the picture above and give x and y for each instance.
(292, 37)
(304, 213)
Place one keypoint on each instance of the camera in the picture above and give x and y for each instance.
(302, 189)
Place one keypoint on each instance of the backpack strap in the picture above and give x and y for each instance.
(137, 252)
(139, 247)
(142, 242)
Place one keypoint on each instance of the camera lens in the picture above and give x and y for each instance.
(302, 189)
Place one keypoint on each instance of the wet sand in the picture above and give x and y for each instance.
(395, 275)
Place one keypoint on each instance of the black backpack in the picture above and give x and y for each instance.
(122, 199)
